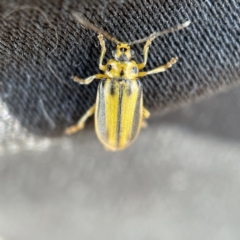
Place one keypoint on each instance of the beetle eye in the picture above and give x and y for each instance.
(132, 52)
(113, 53)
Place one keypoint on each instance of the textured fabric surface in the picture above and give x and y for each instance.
(36, 81)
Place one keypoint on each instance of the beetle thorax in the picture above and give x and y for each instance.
(122, 70)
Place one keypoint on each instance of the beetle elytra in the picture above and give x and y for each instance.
(119, 111)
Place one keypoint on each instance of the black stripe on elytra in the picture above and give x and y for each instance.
(100, 93)
(112, 87)
(119, 113)
(129, 88)
(101, 113)
(102, 83)
(137, 117)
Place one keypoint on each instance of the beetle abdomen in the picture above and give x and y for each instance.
(118, 112)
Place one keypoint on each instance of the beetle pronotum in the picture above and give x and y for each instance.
(119, 111)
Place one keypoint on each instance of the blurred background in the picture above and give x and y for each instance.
(179, 180)
(181, 177)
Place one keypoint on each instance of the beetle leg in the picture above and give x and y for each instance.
(89, 79)
(146, 113)
(144, 124)
(160, 68)
(145, 52)
(81, 123)
(103, 51)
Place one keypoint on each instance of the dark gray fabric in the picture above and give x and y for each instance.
(37, 85)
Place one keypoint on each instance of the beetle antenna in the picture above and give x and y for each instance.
(89, 25)
(164, 32)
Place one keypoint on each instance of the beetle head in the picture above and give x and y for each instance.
(123, 52)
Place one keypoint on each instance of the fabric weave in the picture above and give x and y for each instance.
(35, 73)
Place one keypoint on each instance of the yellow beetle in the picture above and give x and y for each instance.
(119, 111)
